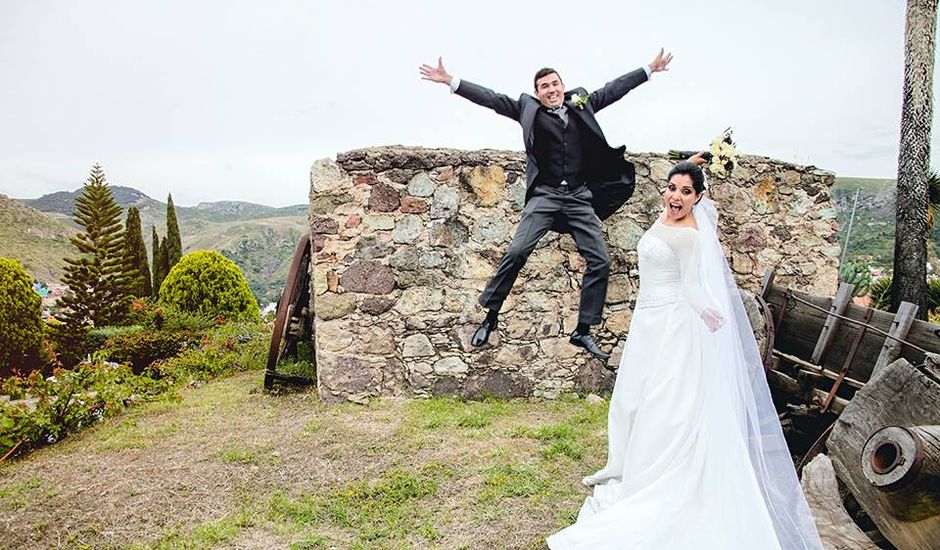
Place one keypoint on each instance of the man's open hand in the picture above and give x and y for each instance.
(661, 63)
(435, 74)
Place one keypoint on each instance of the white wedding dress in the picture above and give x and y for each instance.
(697, 459)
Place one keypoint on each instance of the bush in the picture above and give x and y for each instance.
(72, 399)
(857, 274)
(20, 317)
(881, 293)
(228, 348)
(70, 344)
(140, 348)
(206, 283)
(67, 401)
(933, 295)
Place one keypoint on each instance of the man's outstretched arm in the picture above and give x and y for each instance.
(480, 95)
(617, 88)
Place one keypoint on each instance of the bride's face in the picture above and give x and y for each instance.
(679, 197)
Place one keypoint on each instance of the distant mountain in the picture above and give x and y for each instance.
(63, 202)
(259, 239)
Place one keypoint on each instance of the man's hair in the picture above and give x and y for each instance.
(693, 171)
(543, 72)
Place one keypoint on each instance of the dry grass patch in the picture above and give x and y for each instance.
(225, 465)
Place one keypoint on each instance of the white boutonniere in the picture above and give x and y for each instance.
(579, 100)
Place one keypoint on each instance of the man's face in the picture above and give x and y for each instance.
(550, 90)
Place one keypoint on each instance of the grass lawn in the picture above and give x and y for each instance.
(225, 465)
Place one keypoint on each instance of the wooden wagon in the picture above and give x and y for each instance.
(868, 381)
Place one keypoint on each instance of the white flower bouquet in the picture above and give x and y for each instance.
(722, 156)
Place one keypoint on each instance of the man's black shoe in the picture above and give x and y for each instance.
(587, 342)
(483, 333)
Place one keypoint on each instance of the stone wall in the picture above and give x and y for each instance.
(406, 238)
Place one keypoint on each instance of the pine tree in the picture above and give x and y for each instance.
(174, 246)
(136, 265)
(98, 289)
(158, 274)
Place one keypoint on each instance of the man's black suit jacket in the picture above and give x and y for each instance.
(608, 174)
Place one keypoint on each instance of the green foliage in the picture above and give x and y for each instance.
(141, 348)
(933, 198)
(174, 243)
(136, 266)
(74, 398)
(881, 293)
(228, 348)
(97, 285)
(164, 260)
(20, 317)
(872, 239)
(858, 274)
(207, 283)
(933, 295)
(67, 401)
(70, 343)
(158, 273)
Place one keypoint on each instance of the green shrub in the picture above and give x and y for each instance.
(207, 283)
(141, 347)
(881, 293)
(74, 398)
(20, 317)
(857, 274)
(228, 348)
(70, 343)
(67, 401)
(933, 295)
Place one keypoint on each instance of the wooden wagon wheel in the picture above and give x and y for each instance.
(767, 353)
(294, 318)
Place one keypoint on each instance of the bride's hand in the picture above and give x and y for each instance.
(713, 319)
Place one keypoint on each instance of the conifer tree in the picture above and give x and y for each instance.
(164, 260)
(174, 245)
(98, 289)
(136, 265)
(155, 263)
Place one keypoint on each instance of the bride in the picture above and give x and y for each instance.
(697, 458)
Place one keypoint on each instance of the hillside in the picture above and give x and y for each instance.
(259, 239)
(872, 238)
(39, 241)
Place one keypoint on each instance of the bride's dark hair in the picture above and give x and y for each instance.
(693, 171)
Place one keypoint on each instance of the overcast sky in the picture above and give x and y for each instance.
(234, 100)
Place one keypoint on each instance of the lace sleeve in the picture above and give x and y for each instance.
(684, 241)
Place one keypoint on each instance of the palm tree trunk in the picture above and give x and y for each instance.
(910, 242)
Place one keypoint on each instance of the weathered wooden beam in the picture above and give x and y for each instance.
(792, 387)
(901, 395)
(799, 332)
(904, 464)
(817, 369)
(828, 332)
(836, 528)
(899, 329)
(767, 282)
